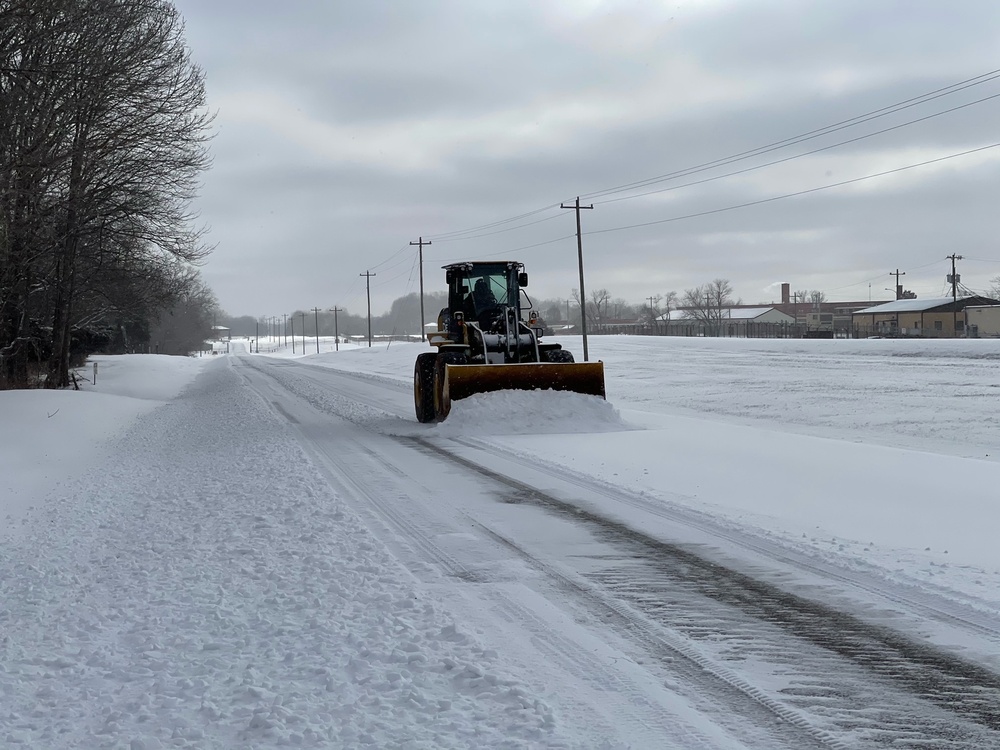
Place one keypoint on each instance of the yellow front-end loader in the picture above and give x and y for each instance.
(485, 344)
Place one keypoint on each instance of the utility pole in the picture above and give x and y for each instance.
(292, 318)
(899, 288)
(583, 292)
(256, 337)
(284, 326)
(316, 317)
(652, 314)
(336, 332)
(795, 308)
(420, 243)
(368, 288)
(303, 332)
(954, 279)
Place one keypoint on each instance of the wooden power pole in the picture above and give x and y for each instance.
(336, 331)
(420, 243)
(954, 279)
(368, 288)
(316, 318)
(899, 288)
(583, 292)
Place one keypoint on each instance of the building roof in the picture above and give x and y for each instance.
(728, 313)
(912, 305)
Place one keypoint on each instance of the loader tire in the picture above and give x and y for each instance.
(442, 399)
(423, 387)
(557, 355)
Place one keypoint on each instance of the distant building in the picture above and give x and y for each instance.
(982, 321)
(938, 317)
(730, 321)
(821, 316)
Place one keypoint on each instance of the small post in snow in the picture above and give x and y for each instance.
(95, 373)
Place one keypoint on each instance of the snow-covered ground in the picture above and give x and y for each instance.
(176, 572)
(881, 451)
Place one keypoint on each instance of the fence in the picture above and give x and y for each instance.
(751, 330)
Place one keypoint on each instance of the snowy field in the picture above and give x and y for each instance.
(176, 572)
(881, 451)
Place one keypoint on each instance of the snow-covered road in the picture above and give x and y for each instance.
(282, 556)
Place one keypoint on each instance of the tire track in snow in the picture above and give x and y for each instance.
(362, 472)
(935, 608)
(808, 689)
(948, 682)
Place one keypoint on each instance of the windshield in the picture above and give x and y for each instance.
(486, 287)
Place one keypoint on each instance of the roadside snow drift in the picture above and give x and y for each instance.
(530, 413)
(209, 591)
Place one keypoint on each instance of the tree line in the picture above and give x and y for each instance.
(705, 304)
(103, 134)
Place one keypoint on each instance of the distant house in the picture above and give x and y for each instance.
(730, 321)
(938, 317)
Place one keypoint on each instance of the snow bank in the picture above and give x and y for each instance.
(530, 413)
(49, 436)
(209, 590)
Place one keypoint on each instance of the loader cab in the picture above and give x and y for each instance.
(480, 290)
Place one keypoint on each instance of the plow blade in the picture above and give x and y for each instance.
(463, 381)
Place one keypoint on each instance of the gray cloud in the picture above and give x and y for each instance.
(345, 130)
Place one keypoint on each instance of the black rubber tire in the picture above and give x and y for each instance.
(557, 355)
(442, 401)
(423, 387)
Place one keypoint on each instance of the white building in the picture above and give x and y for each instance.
(729, 321)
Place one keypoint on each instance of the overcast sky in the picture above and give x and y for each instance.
(346, 129)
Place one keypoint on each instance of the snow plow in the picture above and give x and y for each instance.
(485, 343)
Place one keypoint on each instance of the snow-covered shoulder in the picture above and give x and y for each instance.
(50, 436)
(209, 589)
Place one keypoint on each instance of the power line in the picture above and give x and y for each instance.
(792, 195)
(850, 122)
(498, 227)
(482, 227)
(797, 156)
(514, 249)
(499, 231)
(394, 255)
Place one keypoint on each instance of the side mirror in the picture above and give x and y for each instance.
(448, 276)
(522, 279)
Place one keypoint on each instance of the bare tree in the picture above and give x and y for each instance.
(709, 303)
(103, 133)
(187, 323)
(994, 290)
(596, 306)
(669, 302)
